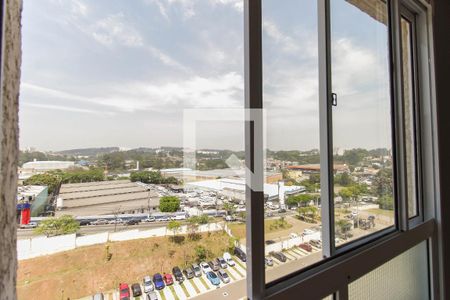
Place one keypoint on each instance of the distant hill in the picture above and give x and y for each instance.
(89, 151)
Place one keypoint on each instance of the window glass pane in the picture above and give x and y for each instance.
(363, 184)
(409, 107)
(404, 277)
(119, 95)
(292, 207)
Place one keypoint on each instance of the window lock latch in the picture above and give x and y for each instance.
(333, 99)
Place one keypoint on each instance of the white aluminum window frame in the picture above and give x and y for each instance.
(346, 264)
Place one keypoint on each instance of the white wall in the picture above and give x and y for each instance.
(42, 245)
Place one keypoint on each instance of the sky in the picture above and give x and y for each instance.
(123, 73)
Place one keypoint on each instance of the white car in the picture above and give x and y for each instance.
(293, 235)
(228, 259)
(205, 267)
(308, 232)
(148, 284)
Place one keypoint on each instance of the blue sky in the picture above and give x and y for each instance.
(119, 73)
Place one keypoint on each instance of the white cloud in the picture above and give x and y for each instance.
(68, 109)
(196, 92)
(114, 30)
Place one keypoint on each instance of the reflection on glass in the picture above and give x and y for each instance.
(363, 184)
(409, 119)
(292, 207)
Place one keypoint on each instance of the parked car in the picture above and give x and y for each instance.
(148, 284)
(178, 275)
(205, 267)
(240, 254)
(124, 291)
(230, 218)
(212, 277)
(189, 273)
(223, 276)
(270, 242)
(132, 222)
(305, 246)
(316, 243)
(280, 256)
(98, 296)
(100, 222)
(84, 222)
(136, 289)
(197, 270)
(116, 221)
(29, 225)
(293, 235)
(228, 259)
(149, 219)
(308, 231)
(158, 281)
(168, 279)
(222, 263)
(163, 219)
(214, 265)
(152, 296)
(268, 261)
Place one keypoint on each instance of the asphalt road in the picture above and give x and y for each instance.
(91, 229)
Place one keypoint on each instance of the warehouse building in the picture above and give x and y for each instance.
(106, 198)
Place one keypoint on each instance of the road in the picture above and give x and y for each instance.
(91, 229)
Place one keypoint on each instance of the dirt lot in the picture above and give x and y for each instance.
(84, 271)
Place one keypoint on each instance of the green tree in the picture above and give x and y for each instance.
(175, 227)
(169, 203)
(229, 208)
(51, 180)
(382, 183)
(343, 226)
(299, 200)
(308, 213)
(343, 179)
(386, 202)
(56, 226)
(193, 223)
(354, 156)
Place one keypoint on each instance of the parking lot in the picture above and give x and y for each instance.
(196, 286)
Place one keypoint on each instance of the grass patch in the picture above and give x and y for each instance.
(204, 282)
(185, 290)
(270, 225)
(172, 289)
(231, 275)
(195, 286)
(72, 271)
(161, 293)
(236, 260)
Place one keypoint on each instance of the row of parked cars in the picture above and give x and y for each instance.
(124, 222)
(214, 271)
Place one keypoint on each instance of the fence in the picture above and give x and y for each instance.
(42, 245)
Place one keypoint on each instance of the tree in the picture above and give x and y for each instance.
(169, 204)
(354, 156)
(299, 200)
(57, 226)
(201, 253)
(308, 213)
(343, 226)
(174, 226)
(193, 223)
(382, 183)
(48, 179)
(229, 208)
(343, 179)
(386, 202)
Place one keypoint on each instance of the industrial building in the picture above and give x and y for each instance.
(31, 168)
(189, 175)
(31, 202)
(105, 198)
(235, 189)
